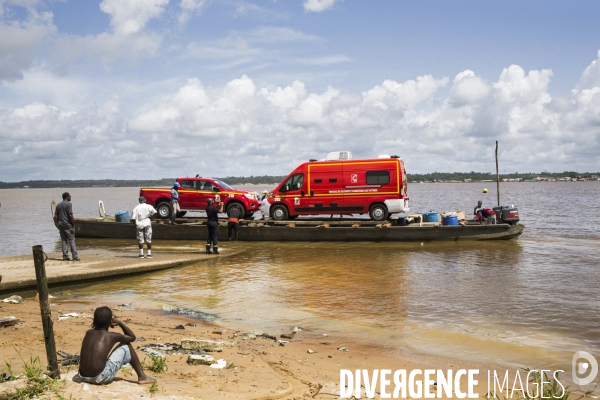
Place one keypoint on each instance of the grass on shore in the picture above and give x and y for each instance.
(155, 364)
(37, 382)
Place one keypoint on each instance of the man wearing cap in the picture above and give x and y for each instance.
(175, 201)
(212, 216)
(142, 218)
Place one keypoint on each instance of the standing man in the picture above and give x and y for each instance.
(63, 216)
(233, 223)
(212, 214)
(175, 201)
(142, 218)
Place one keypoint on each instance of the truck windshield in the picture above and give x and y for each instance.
(293, 183)
(223, 184)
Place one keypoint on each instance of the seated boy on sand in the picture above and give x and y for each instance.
(96, 366)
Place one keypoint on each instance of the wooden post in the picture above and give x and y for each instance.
(497, 176)
(42, 284)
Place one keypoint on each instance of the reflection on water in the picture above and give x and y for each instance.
(527, 302)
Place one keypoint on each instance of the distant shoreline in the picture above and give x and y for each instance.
(435, 177)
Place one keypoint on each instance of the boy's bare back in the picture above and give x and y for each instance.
(98, 343)
(95, 349)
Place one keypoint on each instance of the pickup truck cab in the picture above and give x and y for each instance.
(194, 194)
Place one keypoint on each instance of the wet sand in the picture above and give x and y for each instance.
(262, 368)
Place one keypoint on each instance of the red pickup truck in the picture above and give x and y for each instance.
(194, 193)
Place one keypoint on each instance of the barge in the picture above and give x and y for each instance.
(313, 230)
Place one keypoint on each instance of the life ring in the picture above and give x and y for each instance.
(53, 211)
(101, 209)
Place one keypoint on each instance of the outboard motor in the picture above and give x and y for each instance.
(507, 215)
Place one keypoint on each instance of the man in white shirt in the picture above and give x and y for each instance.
(142, 218)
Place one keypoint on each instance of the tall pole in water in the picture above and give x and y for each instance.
(497, 176)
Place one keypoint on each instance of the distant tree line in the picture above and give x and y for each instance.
(482, 176)
(273, 180)
(164, 182)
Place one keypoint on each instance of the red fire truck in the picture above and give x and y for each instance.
(340, 185)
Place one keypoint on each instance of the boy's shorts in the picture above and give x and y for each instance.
(119, 357)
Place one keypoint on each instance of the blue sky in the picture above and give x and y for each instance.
(152, 88)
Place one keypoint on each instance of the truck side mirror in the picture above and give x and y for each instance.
(216, 189)
(302, 193)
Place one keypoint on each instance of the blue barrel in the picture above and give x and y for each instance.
(122, 216)
(431, 217)
(450, 220)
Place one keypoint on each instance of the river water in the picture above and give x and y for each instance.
(531, 302)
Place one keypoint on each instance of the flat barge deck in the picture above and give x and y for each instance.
(313, 230)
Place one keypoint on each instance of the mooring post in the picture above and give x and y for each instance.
(497, 176)
(39, 257)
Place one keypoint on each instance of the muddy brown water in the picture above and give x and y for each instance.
(532, 301)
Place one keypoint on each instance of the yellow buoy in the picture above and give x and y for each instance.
(484, 190)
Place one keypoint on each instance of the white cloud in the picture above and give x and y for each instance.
(19, 40)
(131, 16)
(248, 44)
(514, 85)
(107, 48)
(247, 9)
(242, 129)
(590, 77)
(392, 94)
(284, 97)
(326, 60)
(318, 5)
(189, 9)
(468, 89)
(29, 39)
(266, 34)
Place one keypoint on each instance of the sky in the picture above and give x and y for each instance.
(145, 89)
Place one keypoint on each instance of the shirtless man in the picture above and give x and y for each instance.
(96, 366)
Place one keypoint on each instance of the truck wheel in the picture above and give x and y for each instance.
(234, 204)
(378, 212)
(164, 210)
(279, 213)
(181, 214)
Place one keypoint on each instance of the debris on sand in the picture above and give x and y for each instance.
(13, 299)
(201, 315)
(204, 359)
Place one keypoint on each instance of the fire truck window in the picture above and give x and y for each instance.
(188, 185)
(332, 180)
(293, 183)
(318, 180)
(378, 177)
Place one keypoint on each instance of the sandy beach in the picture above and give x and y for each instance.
(308, 366)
